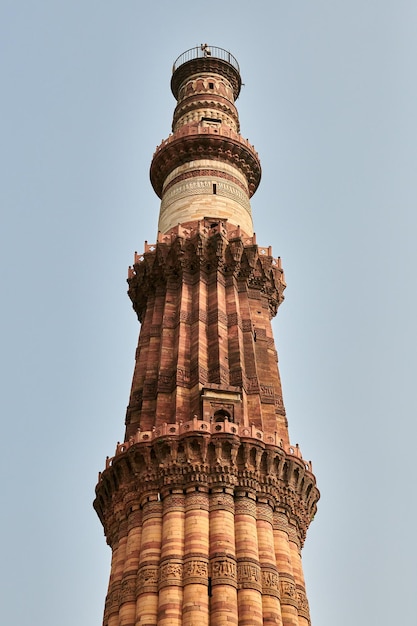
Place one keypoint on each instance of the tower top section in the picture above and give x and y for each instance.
(206, 58)
(205, 167)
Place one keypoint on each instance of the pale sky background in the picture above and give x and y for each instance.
(330, 103)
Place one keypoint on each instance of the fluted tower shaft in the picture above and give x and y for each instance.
(206, 504)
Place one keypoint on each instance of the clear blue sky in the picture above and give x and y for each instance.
(329, 101)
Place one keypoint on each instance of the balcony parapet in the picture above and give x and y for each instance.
(206, 228)
(198, 426)
(199, 129)
(194, 141)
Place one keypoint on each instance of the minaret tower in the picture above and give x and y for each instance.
(206, 503)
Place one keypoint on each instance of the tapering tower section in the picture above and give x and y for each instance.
(206, 504)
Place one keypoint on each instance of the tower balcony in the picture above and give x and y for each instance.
(197, 426)
(195, 141)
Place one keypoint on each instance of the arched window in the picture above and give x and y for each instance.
(222, 416)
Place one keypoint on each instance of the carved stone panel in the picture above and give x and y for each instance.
(223, 571)
(270, 581)
(244, 506)
(303, 608)
(128, 590)
(249, 575)
(147, 579)
(288, 590)
(170, 573)
(196, 571)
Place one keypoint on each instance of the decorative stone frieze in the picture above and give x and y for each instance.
(128, 589)
(113, 598)
(196, 500)
(270, 581)
(264, 511)
(249, 574)
(147, 579)
(302, 602)
(223, 570)
(288, 590)
(222, 502)
(170, 573)
(245, 506)
(196, 571)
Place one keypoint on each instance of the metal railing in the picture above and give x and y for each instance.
(205, 51)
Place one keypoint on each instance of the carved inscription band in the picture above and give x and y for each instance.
(288, 590)
(170, 573)
(196, 571)
(249, 575)
(147, 579)
(223, 571)
(270, 581)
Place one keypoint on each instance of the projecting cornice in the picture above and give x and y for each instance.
(195, 142)
(205, 247)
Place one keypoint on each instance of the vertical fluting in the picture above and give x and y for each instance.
(120, 562)
(134, 412)
(128, 586)
(196, 549)
(260, 317)
(302, 602)
(167, 412)
(271, 607)
(171, 565)
(150, 377)
(183, 408)
(223, 576)
(286, 576)
(248, 569)
(249, 339)
(113, 596)
(166, 359)
(199, 351)
(234, 334)
(108, 608)
(161, 326)
(217, 330)
(150, 554)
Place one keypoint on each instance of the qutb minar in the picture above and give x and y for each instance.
(206, 503)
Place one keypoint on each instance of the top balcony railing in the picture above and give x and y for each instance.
(205, 51)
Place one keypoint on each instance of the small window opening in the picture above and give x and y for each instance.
(214, 120)
(211, 85)
(214, 188)
(209, 588)
(222, 416)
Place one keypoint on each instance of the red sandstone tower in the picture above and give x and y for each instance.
(206, 504)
